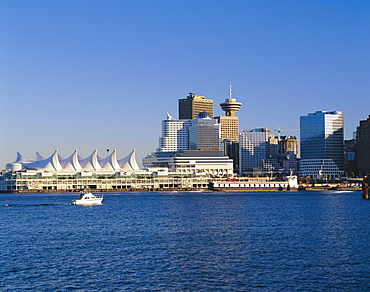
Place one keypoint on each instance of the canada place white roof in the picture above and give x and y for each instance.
(75, 163)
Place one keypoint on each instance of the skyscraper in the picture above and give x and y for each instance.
(175, 135)
(363, 147)
(192, 105)
(230, 122)
(204, 156)
(322, 136)
(254, 149)
(288, 144)
(204, 133)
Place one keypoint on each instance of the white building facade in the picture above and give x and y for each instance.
(188, 162)
(175, 135)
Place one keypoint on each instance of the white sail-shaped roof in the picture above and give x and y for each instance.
(39, 157)
(75, 163)
(50, 164)
(90, 163)
(110, 163)
(71, 163)
(21, 159)
(129, 162)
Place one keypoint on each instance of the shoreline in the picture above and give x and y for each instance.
(174, 190)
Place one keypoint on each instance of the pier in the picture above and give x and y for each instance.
(128, 184)
(160, 184)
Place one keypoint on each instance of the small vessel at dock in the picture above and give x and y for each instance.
(88, 199)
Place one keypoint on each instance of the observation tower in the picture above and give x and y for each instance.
(230, 106)
(230, 122)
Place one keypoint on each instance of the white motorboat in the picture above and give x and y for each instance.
(88, 199)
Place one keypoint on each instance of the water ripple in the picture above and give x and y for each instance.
(186, 242)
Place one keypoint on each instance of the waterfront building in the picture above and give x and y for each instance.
(192, 105)
(18, 182)
(175, 135)
(68, 174)
(191, 162)
(254, 149)
(363, 147)
(322, 136)
(204, 133)
(230, 122)
(319, 168)
(189, 170)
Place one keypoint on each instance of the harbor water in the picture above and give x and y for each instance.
(252, 241)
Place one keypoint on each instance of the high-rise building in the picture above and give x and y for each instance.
(322, 136)
(175, 135)
(254, 149)
(192, 105)
(288, 144)
(363, 147)
(274, 145)
(231, 149)
(229, 127)
(230, 122)
(350, 156)
(204, 133)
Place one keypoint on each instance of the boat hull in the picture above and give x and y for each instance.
(254, 185)
(88, 199)
(88, 202)
(249, 186)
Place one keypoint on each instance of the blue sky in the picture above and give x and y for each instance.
(102, 74)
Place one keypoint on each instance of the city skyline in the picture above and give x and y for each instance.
(93, 75)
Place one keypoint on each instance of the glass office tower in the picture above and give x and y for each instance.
(204, 133)
(322, 136)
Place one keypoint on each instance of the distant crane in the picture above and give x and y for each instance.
(279, 131)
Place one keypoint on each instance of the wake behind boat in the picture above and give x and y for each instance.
(88, 199)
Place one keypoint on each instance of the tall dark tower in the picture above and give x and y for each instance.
(363, 146)
(192, 105)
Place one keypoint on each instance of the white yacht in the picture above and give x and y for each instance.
(88, 199)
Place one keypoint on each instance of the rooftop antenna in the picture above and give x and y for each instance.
(230, 91)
